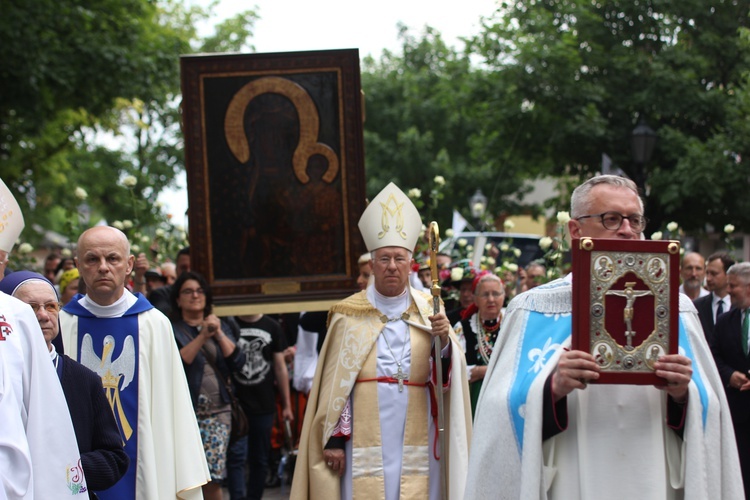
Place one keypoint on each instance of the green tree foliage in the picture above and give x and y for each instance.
(91, 95)
(419, 121)
(571, 79)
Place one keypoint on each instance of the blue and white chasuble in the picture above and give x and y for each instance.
(109, 346)
(508, 458)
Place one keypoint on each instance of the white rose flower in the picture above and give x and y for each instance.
(517, 252)
(129, 181)
(145, 239)
(80, 193)
(563, 217)
(462, 242)
(439, 180)
(491, 261)
(478, 208)
(657, 235)
(127, 224)
(183, 236)
(449, 233)
(483, 260)
(488, 247)
(25, 248)
(118, 225)
(159, 232)
(457, 273)
(158, 204)
(415, 193)
(729, 228)
(135, 248)
(512, 267)
(672, 226)
(508, 225)
(550, 273)
(469, 248)
(66, 252)
(504, 247)
(545, 243)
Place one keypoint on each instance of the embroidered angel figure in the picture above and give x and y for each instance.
(116, 374)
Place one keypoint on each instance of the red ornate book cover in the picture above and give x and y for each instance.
(626, 305)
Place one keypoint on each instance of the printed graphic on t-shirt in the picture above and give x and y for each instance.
(252, 342)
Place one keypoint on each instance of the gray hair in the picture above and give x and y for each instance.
(373, 257)
(489, 277)
(580, 202)
(741, 270)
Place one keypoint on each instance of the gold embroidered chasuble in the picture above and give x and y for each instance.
(349, 354)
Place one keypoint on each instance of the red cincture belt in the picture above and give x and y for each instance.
(390, 380)
(433, 403)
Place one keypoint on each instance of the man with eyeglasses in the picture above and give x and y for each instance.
(369, 431)
(542, 431)
(38, 452)
(102, 457)
(130, 344)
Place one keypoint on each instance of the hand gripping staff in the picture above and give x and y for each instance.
(435, 289)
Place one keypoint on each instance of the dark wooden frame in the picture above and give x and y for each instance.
(591, 321)
(278, 199)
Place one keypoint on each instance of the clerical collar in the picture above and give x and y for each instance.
(392, 307)
(115, 310)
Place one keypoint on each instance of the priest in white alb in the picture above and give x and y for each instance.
(545, 430)
(370, 425)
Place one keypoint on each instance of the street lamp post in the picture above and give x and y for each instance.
(478, 206)
(643, 140)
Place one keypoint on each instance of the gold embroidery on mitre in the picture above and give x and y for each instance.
(397, 212)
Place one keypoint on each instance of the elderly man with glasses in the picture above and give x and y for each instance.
(541, 431)
(103, 460)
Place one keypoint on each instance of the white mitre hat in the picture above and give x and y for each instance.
(11, 219)
(390, 220)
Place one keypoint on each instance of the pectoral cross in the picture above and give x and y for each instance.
(400, 376)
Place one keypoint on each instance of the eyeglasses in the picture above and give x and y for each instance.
(613, 220)
(50, 307)
(487, 295)
(190, 291)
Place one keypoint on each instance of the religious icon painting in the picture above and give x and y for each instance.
(626, 305)
(275, 168)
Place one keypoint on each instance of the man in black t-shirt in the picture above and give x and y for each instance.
(263, 341)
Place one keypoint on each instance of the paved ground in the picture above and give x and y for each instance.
(278, 493)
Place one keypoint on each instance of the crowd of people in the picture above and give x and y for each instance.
(145, 380)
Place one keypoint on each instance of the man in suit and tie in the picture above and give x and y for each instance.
(717, 302)
(730, 349)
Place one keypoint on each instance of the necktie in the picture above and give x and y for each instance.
(719, 310)
(745, 327)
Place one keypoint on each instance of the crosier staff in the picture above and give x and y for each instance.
(435, 289)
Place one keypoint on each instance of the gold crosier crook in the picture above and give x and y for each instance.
(435, 289)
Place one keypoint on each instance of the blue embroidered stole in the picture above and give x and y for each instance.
(542, 337)
(110, 347)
